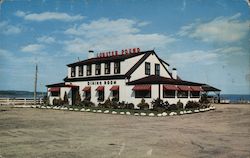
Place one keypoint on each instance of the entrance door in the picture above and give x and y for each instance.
(74, 93)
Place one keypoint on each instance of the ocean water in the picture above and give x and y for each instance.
(20, 94)
(235, 97)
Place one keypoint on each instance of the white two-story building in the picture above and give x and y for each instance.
(127, 76)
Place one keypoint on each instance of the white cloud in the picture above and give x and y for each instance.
(105, 34)
(195, 56)
(32, 48)
(221, 29)
(48, 16)
(7, 29)
(46, 39)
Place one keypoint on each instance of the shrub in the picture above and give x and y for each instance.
(78, 98)
(159, 105)
(87, 103)
(172, 107)
(45, 100)
(109, 104)
(179, 105)
(192, 105)
(130, 106)
(143, 105)
(57, 102)
(204, 101)
(65, 99)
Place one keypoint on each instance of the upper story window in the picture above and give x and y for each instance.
(107, 68)
(147, 68)
(81, 70)
(117, 67)
(73, 71)
(89, 68)
(98, 69)
(157, 69)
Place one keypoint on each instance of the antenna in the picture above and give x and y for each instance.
(35, 85)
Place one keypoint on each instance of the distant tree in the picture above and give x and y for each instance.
(65, 99)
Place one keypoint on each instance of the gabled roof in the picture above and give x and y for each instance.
(108, 59)
(154, 79)
(129, 73)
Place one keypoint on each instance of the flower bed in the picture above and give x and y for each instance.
(134, 112)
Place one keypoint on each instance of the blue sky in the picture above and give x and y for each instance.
(207, 41)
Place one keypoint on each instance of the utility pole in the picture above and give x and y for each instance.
(35, 85)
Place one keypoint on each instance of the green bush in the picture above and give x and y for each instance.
(204, 101)
(86, 103)
(46, 100)
(159, 105)
(78, 98)
(65, 99)
(172, 107)
(192, 105)
(143, 105)
(179, 105)
(57, 102)
(109, 104)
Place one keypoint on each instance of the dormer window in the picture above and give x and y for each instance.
(81, 70)
(98, 69)
(117, 67)
(107, 68)
(89, 68)
(147, 68)
(73, 71)
(157, 69)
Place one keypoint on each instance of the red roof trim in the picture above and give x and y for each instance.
(170, 87)
(54, 89)
(86, 89)
(114, 88)
(184, 88)
(142, 88)
(196, 88)
(100, 88)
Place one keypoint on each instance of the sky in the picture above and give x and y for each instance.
(207, 41)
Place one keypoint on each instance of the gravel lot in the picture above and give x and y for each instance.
(26, 132)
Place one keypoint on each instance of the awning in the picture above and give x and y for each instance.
(54, 89)
(170, 87)
(100, 88)
(114, 88)
(86, 89)
(196, 88)
(142, 88)
(184, 88)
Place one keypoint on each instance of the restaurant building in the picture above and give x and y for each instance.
(128, 75)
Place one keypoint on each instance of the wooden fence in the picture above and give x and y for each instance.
(20, 101)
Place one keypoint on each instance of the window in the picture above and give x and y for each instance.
(115, 95)
(147, 68)
(169, 94)
(182, 94)
(100, 96)
(195, 94)
(87, 95)
(142, 94)
(157, 69)
(55, 94)
(89, 68)
(116, 67)
(81, 70)
(98, 69)
(107, 68)
(73, 71)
